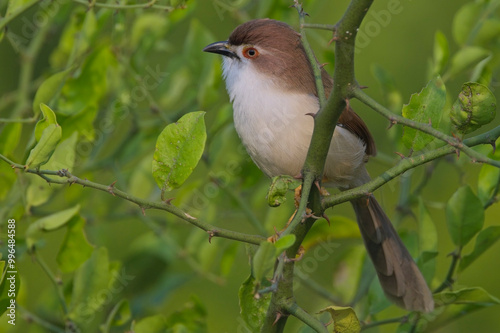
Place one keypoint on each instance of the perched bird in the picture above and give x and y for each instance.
(271, 85)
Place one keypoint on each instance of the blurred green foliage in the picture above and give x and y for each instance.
(89, 87)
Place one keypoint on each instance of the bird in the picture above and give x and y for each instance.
(271, 85)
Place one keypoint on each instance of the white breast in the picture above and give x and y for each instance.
(276, 131)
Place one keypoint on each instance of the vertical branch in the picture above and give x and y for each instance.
(282, 301)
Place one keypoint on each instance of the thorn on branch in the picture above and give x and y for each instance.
(347, 103)
(334, 39)
(278, 317)
(169, 201)
(323, 64)
(211, 234)
(457, 151)
(111, 188)
(326, 218)
(400, 155)
(494, 145)
(318, 186)
(143, 210)
(393, 122)
(312, 114)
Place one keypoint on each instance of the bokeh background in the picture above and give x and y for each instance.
(169, 260)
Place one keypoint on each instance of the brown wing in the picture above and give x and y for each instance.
(351, 121)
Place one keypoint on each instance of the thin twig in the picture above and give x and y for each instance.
(65, 177)
(404, 165)
(384, 322)
(426, 128)
(305, 317)
(150, 4)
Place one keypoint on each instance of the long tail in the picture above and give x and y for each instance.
(398, 274)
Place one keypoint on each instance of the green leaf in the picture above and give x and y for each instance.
(39, 191)
(91, 85)
(427, 242)
(284, 243)
(47, 91)
(263, 261)
(50, 223)
(278, 189)
(464, 216)
(344, 319)
(484, 240)
(427, 231)
(464, 21)
(228, 258)
(43, 150)
(463, 301)
(473, 295)
(341, 228)
(81, 122)
(441, 52)
(465, 58)
(178, 150)
(49, 118)
(153, 324)
(424, 107)
(488, 183)
(75, 248)
(253, 309)
(91, 279)
(9, 137)
(475, 107)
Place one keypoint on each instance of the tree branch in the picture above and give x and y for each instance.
(306, 318)
(150, 4)
(325, 121)
(426, 128)
(404, 165)
(68, 178)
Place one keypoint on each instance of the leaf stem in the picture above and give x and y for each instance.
(384, 322)
(448, 281)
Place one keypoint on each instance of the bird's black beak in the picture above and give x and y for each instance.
(221, 48)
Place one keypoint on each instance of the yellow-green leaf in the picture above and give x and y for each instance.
(344, 319)
(178, 150)
(43, 150)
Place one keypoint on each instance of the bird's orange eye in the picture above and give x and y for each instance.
(250, 52)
